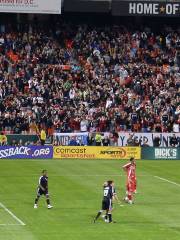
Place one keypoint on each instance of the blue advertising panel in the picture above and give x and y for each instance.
(31, 152)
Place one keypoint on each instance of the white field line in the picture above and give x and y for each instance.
(9, 224)
(12, 215)
(166, 180)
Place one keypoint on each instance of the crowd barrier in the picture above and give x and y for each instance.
(64, 138)
(82, 137)
(148, 138)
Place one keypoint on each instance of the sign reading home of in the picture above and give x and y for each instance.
(144, 8)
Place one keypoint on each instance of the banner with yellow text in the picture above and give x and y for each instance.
(93, 152)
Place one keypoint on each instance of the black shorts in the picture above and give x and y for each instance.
(40, 192)
(106, 204)
(43, 142)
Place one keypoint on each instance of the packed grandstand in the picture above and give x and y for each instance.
(88, 78)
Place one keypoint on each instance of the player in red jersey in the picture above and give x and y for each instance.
(130, 169)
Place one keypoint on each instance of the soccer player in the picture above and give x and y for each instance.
(43, 189)
(108, 194)
(130, 169)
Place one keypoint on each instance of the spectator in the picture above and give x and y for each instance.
(114, 136)
(43, 137)
(156, 141)
(106, 141)
(173, 141)
(137, 142)
(56, 142)
(98, 139)
(83, 125)
(20, 143)
(130, 140)
(73, 142)
(80, 143)
(144, 143)
(3, 139)
(91, 140)
(14, 143)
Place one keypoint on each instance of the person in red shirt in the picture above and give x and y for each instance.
(130, 169)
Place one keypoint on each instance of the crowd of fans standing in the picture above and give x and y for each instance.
(84, 78)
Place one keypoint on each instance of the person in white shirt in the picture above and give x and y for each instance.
(84, 125)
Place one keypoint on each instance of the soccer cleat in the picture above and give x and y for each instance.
(130, 202)
(49, 206)
(35, 206)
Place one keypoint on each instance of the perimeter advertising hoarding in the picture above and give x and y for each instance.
(146, 8)
(28, 152)
(31, 6)
(149, 153)
(92, 152)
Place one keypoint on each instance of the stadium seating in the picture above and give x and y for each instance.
(88, 78)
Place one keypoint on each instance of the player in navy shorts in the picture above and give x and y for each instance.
(43, 189)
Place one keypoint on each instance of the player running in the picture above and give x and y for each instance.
(43, 190)
(108, 195)
(130, 169)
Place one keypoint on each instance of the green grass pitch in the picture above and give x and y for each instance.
(75, 187)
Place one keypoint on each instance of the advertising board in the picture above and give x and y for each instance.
(31, 152)
(31, 6)
(92, 152)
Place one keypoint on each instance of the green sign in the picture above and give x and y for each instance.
(152, 153)
(24, 138)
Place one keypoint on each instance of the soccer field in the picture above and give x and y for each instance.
(75, 187)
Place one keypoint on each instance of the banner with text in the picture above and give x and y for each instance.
(152, 153)
(64, 138)
(31, 6)
(92, 152)
(43, 152)
(147, 138)
(145, 8)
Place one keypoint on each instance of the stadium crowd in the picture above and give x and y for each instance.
(80, 78)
